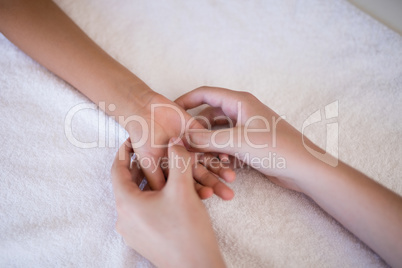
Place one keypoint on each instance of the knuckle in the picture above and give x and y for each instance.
(202, 174)
(204, 177)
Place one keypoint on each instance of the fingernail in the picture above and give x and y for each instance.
(180, 142)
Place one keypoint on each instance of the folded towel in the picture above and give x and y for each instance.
(57, 206)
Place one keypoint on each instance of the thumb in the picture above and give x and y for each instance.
(224, 140)
(180, 165)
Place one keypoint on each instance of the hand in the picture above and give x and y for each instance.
(170, 227)
(257, 134)
(156, 121)
(341, 191)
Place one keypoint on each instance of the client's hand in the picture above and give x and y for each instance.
(170, 227)
(367, 209)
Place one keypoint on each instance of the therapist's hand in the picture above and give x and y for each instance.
(170, 227)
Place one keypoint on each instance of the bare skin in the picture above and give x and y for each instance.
(369, 210)
(170, 227)
(45, 33)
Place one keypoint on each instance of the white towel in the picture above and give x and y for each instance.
(56, 202)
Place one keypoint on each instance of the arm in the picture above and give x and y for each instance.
(42, 30)
(369, 210)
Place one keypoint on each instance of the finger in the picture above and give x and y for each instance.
(180, 165)
(147, 187)
(191, 123)
(143, 184)
(122, 176)
(155, 177)
(222, 169)
(149, 162)
(236, 163)
(123, 155)
(165, 166)
(226, 99)
(214, 116)
(218, 141)
(207, 119)
(224, 158)
(208, 179)
(203, 191)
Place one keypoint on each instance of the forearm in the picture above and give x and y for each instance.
(43, 31)
(372, 212)
(369, 210)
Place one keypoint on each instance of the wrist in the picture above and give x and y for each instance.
(126, 98)
(203, 257)
(307, 163)
(136, 96)
(314, 176)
